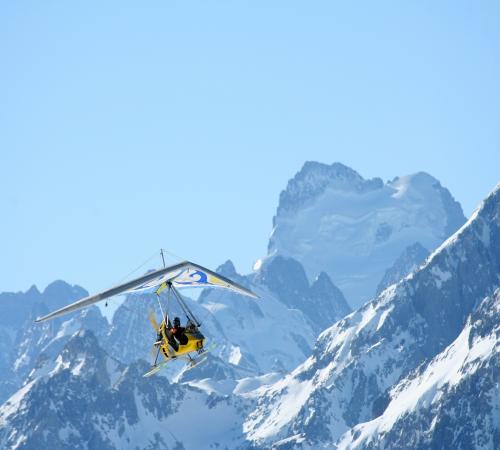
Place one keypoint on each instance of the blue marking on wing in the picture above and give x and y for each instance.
(202, 279)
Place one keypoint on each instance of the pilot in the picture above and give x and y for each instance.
(179, 332)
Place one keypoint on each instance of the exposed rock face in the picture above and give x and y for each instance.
(331, 219)
(412, 257)
(329, 303)
(315, 178)
(322, 302)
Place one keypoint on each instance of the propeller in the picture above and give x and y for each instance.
(152, 320)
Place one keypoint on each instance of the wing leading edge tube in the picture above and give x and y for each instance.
(182, 275)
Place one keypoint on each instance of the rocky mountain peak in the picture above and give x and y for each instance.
(327, 301)
(227, 269)
(323, 288)
(59, 293)
(322, 281)
(33, 291)
(283, 275)
(322, 302)
(314, 178)
(83, 341)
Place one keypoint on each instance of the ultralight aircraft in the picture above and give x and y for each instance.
(182, 275)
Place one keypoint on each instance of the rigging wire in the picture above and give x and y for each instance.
(155, 254)
(150, 258)
(185, 307)
(205, 316)
(138, 267)
(130, 273)
(162, 251)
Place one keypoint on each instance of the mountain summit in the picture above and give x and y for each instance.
(331, 219)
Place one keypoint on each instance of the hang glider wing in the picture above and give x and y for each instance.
(185, 274)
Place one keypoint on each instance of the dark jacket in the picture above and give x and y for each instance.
(179, 334)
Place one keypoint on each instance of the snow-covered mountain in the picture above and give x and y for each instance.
(453, 401)
(355, 363)
(83, 360)
(418, 365)
(85, 399)
(277, 331)
(19, 340)
(331, 219)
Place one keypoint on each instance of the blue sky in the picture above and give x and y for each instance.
(128, 126)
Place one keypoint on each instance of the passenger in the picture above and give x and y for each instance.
(179, 332)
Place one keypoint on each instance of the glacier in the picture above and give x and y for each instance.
(331, 219)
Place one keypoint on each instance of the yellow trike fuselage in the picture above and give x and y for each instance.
(194, 344)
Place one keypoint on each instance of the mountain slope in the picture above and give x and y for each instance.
(451, 402)
(356, 361)
(331, 219)
(85, 399)
(277, 331)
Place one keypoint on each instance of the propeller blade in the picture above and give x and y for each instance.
(152, 320)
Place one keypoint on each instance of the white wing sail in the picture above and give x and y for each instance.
(185, 274)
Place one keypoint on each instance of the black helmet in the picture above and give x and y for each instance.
(177, 322)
